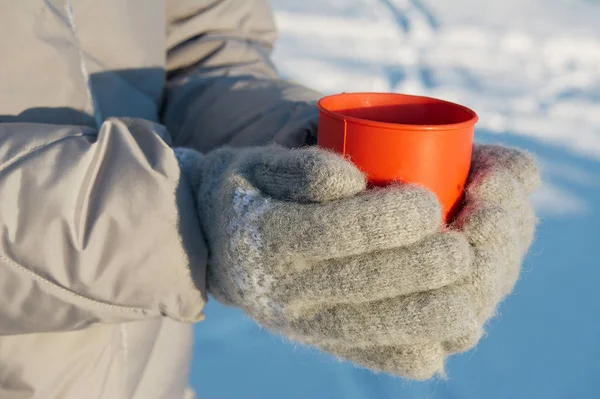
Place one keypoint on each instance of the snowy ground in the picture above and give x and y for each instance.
(531, 70)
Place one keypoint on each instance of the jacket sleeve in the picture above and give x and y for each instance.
(222, 86)
(95, 227)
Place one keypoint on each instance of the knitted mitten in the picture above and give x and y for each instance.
(298, 243)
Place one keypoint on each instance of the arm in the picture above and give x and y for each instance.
(96, 227)
(222, 86)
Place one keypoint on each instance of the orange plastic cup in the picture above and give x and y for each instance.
(402, 138)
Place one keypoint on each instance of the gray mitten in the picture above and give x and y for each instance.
(298, 243)
(499, 223)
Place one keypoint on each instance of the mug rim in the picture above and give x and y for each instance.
(397, 126)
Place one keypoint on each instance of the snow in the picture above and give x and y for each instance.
(531, 80)
(531, 70)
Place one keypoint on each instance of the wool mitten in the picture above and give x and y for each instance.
(499, 222)
(297, 241)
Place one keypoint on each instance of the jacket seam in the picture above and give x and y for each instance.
(82, 67)
(59, 291)
(125, 351)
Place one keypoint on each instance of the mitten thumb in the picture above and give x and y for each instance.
(305, 175)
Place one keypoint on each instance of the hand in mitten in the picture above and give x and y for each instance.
(498, 222)
(298, 243)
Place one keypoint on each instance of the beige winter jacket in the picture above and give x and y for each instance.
(101, 255)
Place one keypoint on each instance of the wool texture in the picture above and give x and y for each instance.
(298, 242)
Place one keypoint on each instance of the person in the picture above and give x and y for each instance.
(152, 155)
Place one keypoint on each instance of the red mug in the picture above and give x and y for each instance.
(402, 138)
